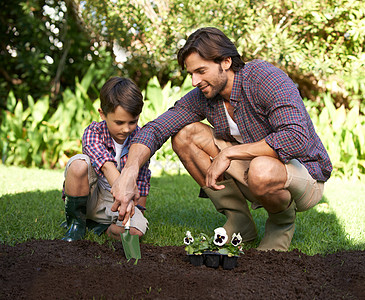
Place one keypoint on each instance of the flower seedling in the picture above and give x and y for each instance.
(197, 246)
(216, 247)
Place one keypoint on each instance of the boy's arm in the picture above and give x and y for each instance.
(142, 201)
(110, 172)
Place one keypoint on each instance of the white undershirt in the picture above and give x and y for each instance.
(233, 128)
(118, 152)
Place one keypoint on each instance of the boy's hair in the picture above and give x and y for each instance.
(211, 44)
(118, 91)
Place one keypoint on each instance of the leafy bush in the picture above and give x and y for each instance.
(157, 101)
(319, 43)
(37, 137)
(342, 132)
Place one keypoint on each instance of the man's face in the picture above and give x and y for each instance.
(207, 75)
(120, 123)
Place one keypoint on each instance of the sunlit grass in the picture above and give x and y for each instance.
(31, 208)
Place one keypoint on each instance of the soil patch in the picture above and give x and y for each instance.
(86, 270)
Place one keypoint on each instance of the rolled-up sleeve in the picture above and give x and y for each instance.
(287, 116)
(143, 180)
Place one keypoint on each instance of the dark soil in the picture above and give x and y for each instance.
(86, 270)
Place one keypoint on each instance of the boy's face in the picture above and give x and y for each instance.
(120, 123)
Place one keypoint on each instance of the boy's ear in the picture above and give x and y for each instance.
(101, 113)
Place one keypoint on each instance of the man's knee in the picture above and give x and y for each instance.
(264, 174)
(188, 136)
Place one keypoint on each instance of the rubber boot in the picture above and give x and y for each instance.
(75, 209)
(230, 202)
(279, 230)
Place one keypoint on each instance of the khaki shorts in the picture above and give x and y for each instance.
(304, 190)
(100, 201)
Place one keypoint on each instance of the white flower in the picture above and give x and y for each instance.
(220, 236)
(188, 239)
(236, 239)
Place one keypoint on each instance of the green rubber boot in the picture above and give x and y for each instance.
(230, 202)
(75, 209)
(279, 230)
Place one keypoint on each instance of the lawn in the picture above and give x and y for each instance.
(31, 208)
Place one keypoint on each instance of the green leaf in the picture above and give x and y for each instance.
(40, 110)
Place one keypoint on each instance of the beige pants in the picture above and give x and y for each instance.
(100, 201)
(304, 190)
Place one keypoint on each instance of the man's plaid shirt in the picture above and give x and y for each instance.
(267, 105)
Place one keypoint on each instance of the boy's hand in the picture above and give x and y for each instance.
(126, 194)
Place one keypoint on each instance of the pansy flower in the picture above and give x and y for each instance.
(236, 239)
(220, 236)
(188, 239)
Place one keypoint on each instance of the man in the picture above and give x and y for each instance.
(262, 147)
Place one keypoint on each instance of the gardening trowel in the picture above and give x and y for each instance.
(130, 243)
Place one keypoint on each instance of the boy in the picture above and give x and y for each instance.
(90, 176)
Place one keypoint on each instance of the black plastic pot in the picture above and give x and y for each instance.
(229, 262)
(212, 260)
(196, 259)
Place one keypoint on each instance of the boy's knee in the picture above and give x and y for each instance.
(78, 169)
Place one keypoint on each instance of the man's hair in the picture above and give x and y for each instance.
(211, 44)
(118, 91)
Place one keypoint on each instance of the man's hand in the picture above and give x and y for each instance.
(215, 172)
(124, 188)
(125, 193)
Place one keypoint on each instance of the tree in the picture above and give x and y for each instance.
(319, 43)
(44, 47)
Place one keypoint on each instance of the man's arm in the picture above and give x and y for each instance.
(238, 152)
(124, 188)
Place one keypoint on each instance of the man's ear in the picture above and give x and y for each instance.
(101, 113)
(226, 63)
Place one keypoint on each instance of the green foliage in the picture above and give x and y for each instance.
(36, 136)
(44, 47)
(319, 43)
(343, 135)
(157, 101)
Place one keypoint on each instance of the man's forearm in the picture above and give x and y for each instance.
(138, 155)
(124, 188)
(249, 151)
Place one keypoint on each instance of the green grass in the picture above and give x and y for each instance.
(31, 208)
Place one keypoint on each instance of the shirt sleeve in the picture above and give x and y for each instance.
(287, 116)
(143, 180)
(93, 145)
(185, 111)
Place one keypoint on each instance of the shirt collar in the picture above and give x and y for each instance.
(109, 140)
(236, 87)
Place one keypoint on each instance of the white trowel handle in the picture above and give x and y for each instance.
(128, 224)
